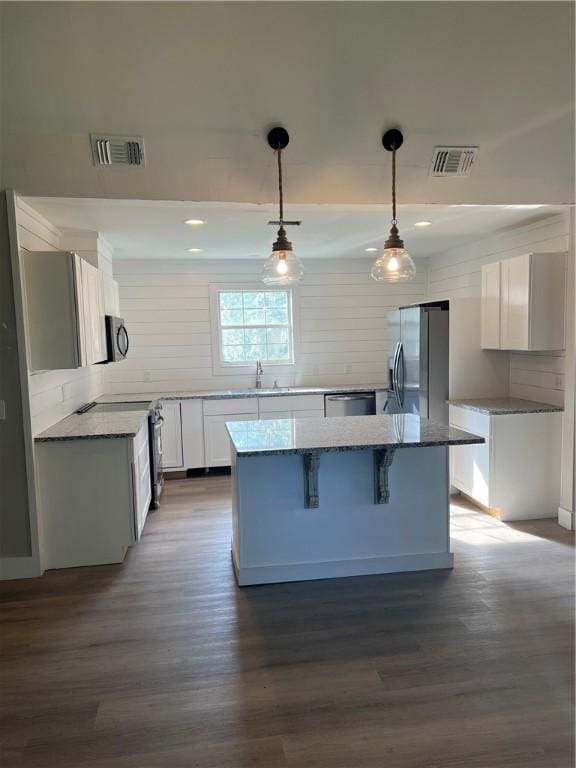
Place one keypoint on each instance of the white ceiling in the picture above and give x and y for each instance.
(203, 81)
(140, 229)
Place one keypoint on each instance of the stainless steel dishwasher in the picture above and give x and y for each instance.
(354, 404)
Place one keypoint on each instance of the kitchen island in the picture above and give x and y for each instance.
(325, 498)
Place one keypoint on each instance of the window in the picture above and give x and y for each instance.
(255, 325)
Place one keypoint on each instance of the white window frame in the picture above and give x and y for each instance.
(220, 368)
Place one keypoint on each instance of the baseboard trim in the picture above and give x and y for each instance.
(566, 518)
(492, 511)
(19, 568)
(368, 566)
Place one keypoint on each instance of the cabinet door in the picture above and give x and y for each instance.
(111, 296)
(171, 435)
(490, 309)
(515, 303)
(217, 440)
(192, 434)
(470, 464)
(141, 479)
(93, 314)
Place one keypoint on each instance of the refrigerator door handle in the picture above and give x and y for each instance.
(394, 366)
(395, 374)
(400, 375)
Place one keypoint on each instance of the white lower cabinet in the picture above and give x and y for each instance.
(142, 482)
(516, 473)
(93, 498)
(172, 456)
(216, 438)
(194, 432)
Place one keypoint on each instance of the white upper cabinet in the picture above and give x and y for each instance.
(111, 295)
(523, 303)
(65, 311)
(93, 314)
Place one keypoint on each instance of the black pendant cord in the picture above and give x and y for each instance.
(280, 187)
(394, 240)
(282, 243)
(394, 220)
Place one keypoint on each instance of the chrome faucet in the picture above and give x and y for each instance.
(258, 374)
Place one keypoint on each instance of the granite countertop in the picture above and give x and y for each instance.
(347, 433)
(503, 406)
(95, 426)
(230, 394)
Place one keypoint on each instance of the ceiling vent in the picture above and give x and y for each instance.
(117, 150)
(453, 161)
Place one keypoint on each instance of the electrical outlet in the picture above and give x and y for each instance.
(559, 382)
(147, 376)
(2, 410)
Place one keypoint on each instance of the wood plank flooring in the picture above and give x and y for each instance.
(164, 663)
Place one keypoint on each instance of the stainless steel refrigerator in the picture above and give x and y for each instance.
(418, 361)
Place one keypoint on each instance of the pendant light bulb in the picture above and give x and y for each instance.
(395, 265)
(282, 267)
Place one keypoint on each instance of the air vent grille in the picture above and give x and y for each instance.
(453, 161)
(117, 150)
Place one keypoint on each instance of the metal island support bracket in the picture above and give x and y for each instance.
(311, 465)
(383, 458)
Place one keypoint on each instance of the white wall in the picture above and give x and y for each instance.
(53, 394)
(456, 273)
(342, 323)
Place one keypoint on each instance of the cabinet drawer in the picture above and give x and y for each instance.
(470, 421)
(291, 403)
(232, 405)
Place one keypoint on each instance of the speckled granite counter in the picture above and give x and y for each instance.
(95, 426)
(350, 433)
(233, 393)
(505, 406)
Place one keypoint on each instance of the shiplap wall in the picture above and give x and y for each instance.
(456, 273)
(342, 323)
(53, 394)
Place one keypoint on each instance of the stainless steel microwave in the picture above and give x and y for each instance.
(117, 339)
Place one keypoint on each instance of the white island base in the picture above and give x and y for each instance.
(276, 537)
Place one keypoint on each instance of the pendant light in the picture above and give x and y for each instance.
(395, 264)
(282, 267)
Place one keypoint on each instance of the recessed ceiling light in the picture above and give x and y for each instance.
(423, 224)
(195, 222)
(371, 250)
(194, 250)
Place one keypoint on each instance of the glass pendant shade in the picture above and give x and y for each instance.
(282, 267)
(394, 266)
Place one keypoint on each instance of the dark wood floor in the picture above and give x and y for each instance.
(164, 663)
